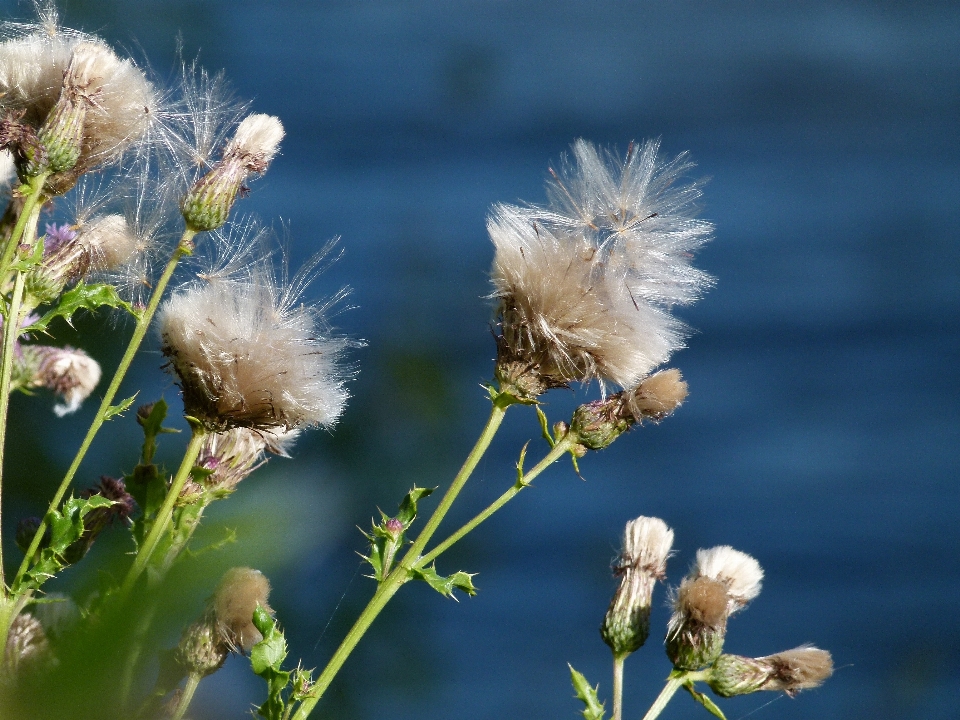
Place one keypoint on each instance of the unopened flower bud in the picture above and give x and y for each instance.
(394, 527)
(599, 423)
(240, 592)
(791, 671)
(207, 204)
(722, 581)
(643, 561)
(201, 650)
(70, 373)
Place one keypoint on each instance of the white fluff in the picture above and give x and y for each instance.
(646, 545)
(249, 356)
(740, 573)
(258, 135)
(586, 285)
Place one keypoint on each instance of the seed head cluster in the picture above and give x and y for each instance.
(585, 285)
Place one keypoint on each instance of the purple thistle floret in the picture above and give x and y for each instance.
(57, 236)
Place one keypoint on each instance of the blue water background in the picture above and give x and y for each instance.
(822, 430)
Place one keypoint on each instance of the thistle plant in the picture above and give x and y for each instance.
(583, 290)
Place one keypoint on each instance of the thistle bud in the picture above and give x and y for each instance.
(201, 651)
(70, 373)
(642, 561)
(231, 456)
(599, 423)
(722, 581)
(790, 672)
(62, 132)
(207, 204)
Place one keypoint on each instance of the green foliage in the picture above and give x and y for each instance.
(705, 701)
(266, 659)
(593, 708)
(148, 483)
(446, 585)
(65, 528)
(81, 297)
(385, 541)
(119, 408)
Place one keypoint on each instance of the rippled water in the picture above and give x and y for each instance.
(822, 430)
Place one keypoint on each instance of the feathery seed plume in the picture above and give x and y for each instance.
(248, 356)
(240, 591)
(585, 285)
(643, 561)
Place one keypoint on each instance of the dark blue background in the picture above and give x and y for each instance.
(822, 427)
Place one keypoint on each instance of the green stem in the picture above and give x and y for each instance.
(499, 409)
(165, 513)
(11, 330)
(34, 192)
(618, 660)
(555, 454)
(677, 679)
(143, 323)
(189, 689)
(388, 588)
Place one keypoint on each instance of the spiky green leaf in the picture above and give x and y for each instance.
(81, 297)
(705, 701)
(446, 585)
(266, 659)
(593, 708)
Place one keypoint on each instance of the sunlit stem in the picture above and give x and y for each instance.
(676, 680)
(187, 696)
(185, 247)
(33, 193)
(618, 660)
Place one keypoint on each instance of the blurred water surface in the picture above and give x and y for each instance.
(822, 429)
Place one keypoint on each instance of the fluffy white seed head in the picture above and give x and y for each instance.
(738, 572)
(257, 135)
(646, 545)
(121, 102)
(585, 285)
(248, 356)
(70, 373)
(110, 240)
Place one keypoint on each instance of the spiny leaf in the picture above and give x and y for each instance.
(28, 263)
(266, 658)
(545, 426)
(82, 297)
(408, 507)
(120, 407)
(65, 527)
(705, 701)
(385, 542)
(446, 585)
(593, 708)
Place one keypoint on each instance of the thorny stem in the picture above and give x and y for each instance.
(618, 660)
(185, 247)
(11, 327)
(189, 689)
(165, 512)
(401, 573)
(412, 561)
(558, 451)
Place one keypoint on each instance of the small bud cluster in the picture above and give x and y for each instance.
(227, 624)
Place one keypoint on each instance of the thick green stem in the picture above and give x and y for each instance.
(34, 191)
(555, 454)
(186, 696)
(143, 324)
(165, 513)
(618, 660)
(11, 330)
